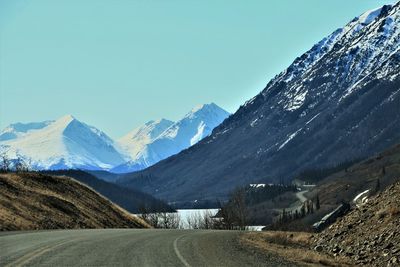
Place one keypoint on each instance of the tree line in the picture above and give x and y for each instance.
(313, 176)
(15, 165)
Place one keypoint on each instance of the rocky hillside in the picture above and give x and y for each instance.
(31, 201)
(339, 101)
(368, 235)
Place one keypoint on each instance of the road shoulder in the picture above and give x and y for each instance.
(292, 246)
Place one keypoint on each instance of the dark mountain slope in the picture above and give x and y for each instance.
(129, 199)
(339, 101)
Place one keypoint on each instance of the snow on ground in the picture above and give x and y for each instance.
(361, 198)
(293, 135)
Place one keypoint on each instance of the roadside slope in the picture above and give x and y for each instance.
(31, 201)
(369, 235)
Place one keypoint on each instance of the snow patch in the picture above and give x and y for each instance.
(293, 135)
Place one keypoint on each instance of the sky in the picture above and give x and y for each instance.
(116, 64)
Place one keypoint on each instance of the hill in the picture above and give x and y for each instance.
(31, 201)
(130, 199)
(370, 176)
(374, 174)
(337, 102)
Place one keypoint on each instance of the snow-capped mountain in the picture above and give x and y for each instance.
(157, 140)
(136, 140)
(60, 144)
(338, 101)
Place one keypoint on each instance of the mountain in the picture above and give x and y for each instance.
(67, 143)
(33, 201)
(61, 144)
(337, 102)
(157, 140)
(136, 140)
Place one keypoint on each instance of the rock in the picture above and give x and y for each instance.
(319, 248)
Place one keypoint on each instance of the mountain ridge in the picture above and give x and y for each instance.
(67, 143)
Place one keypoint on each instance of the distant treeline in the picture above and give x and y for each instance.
(255, 195)
(127, 198)
(313, 176)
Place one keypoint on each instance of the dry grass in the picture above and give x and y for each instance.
(293, 246)
(388, 212)
(31, 201)
(394, 211)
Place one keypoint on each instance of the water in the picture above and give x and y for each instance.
(186, 214)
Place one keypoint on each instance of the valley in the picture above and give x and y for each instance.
(305, 173)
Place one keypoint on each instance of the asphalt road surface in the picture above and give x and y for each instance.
(129, 247)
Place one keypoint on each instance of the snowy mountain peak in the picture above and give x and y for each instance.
(207, 110)
(157, 140)
(64, 143)
(66, 119)
(360, 47)
(138, 138)
(369, 16)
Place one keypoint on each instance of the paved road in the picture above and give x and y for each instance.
(119, 247)
(301, 197)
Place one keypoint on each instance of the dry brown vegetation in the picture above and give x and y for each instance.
(346, 184)
(293, 246)
(35, 201)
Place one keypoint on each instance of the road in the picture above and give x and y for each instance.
(129, 247)
(301, 197)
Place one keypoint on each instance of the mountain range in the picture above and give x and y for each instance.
(338, 101)
(157, 140)
(67, 143)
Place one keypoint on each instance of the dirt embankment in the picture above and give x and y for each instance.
(35, 201)
(368, 235)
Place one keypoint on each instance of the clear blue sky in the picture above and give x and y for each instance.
(116, 64)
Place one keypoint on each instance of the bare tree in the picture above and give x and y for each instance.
(234, 213)
(166, 220)
(21, 165)
(5, 163)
